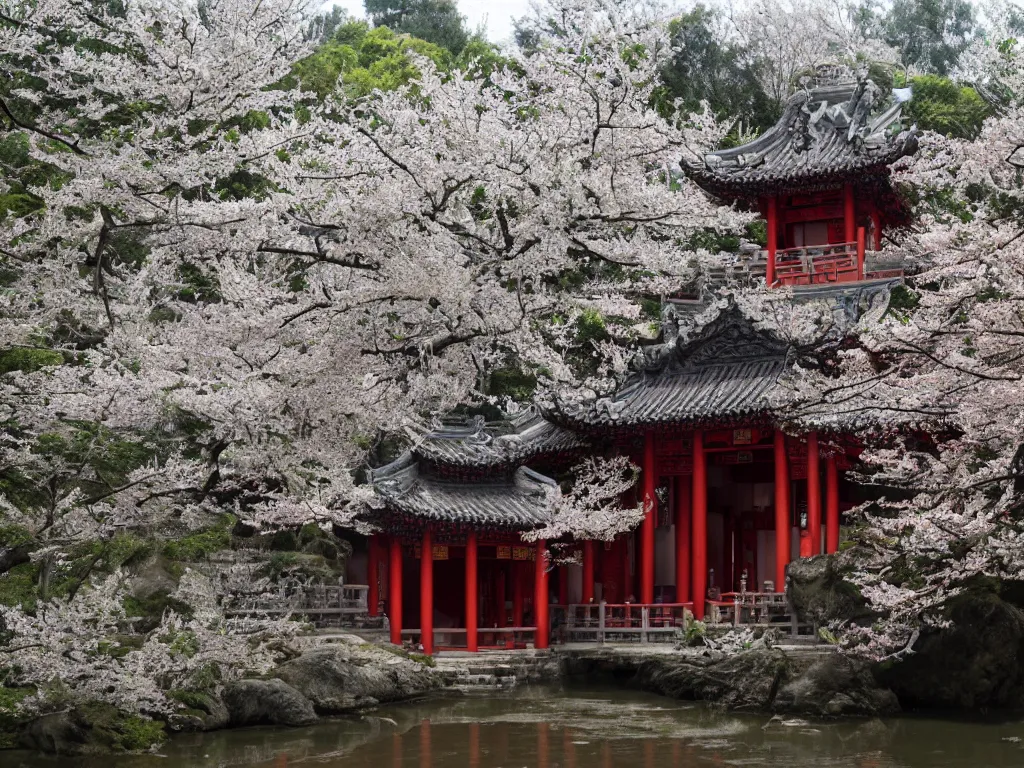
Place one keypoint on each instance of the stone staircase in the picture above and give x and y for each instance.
(495, 671)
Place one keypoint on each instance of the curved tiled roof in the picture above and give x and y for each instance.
(520, 502)
(825, 136)
(509, 442)
(730, 370)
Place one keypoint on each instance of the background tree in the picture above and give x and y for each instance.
(930, 34)
(436, 21)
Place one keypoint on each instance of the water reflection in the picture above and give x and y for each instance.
(545, 728)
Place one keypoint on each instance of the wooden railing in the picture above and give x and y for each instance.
(488, 638)
(834, 263)
(316, 600)
(625, 622)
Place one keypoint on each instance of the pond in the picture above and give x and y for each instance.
(541, 727)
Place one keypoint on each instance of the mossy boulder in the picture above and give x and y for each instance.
(819, 589)
(351, 675)
(266, 702)
(92, 728)
(976, 662)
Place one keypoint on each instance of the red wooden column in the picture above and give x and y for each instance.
(472, 614)
(373, 577)
(588, 572)
(517, 594)
(849, 214)
(782, 526)
(500, 589)
(813, 493)
(627, 575)
(540, 598)
(395, 589)
(772, 235)
(650, 522)
(427, 593)
(860, 252)
(683, 523)
(700, 525)
(831, 505)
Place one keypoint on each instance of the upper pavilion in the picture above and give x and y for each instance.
(820, 178)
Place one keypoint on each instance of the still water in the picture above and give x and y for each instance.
(581, 728)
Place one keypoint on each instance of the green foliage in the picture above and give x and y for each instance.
(28, 360)
(10, 717)
(152, 608)
(18, 586)
(199, 546)
(591, 327)
(514, 382)
(942, 106)
(366, 60)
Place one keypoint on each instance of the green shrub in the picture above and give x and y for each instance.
(201, 545)
(10, 717)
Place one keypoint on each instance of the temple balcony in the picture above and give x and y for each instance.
(815, 265)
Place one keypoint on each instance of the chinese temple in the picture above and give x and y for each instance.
(731, 493)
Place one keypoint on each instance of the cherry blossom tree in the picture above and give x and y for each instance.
(289, 279)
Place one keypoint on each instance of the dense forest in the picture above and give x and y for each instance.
(241, 244)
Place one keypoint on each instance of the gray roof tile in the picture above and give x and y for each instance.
(519, 502)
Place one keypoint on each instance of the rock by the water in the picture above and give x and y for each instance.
(835, 686)
(352, 675)
(56, 734)
(743, 681)
(819, 591)
(976, 662)
(268, 702)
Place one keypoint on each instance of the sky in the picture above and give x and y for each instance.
(495, 14)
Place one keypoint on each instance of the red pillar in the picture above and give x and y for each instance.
(517, 594)
(813, 493)
(627, 575)
(588, 572)
(849, 214)
(373, 577)
(683, 524)
(472, 618)
(700, 525)
(782, 524)
(540, 598)
(427, 593)
(395, 589)
(772, 236)
(648, 525)
(831, 505)
(860, 252)
(502, 608)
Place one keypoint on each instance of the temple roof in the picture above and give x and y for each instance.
(514, 439)
(825, 136)
(518, 502)
(729, 371)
